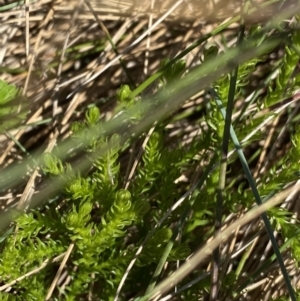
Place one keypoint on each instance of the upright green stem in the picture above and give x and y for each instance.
(258, 200)
(215, 281)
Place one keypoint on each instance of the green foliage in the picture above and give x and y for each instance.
(174, 72)
(107, 222)
(285, 83)
(126, 101)
(53, 165)
(13, 107)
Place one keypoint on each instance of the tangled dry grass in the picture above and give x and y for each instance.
(54, 48)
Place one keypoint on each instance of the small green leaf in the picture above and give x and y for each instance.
(92, 116)
(85, 209)
(52, 164)
(124, 94)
